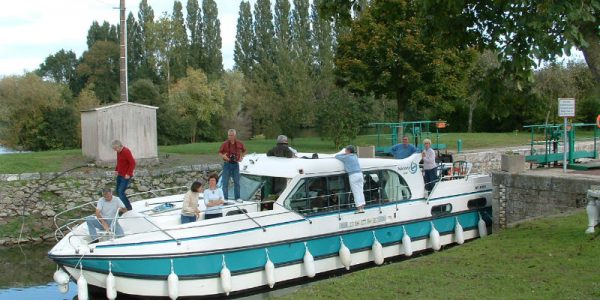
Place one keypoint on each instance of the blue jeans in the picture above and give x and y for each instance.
(187, 219)
(122, 185)
(430, 179)
(231, 170)
(93, 225)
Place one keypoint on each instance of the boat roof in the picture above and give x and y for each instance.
(262, 165)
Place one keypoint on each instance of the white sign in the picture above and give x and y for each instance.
(566, 107)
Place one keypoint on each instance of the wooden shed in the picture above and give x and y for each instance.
(132, 123)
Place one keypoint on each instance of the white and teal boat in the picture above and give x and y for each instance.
(295, 220)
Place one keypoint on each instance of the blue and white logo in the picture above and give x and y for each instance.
(413, 168)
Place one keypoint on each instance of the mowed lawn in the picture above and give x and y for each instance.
(56, 161)
(548, 258)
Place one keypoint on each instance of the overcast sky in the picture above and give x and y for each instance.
(31, 30)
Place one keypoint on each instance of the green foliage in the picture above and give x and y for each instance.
(106, 33)
(213, 62)
(100, 67)
(386, 54)
(34, 114)
(243, 54)
(60, 68)
(342, 115)
(196, 100)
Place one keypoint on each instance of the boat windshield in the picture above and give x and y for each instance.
(255, 188)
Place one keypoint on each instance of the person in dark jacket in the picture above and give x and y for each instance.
(282, 149)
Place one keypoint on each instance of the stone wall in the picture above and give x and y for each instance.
(523, 196)
(35, 198)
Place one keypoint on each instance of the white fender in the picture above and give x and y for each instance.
(309, 263)
(482, 227)
(270, 271)
(111, 289)
(63, 288)
(173, 283)
(592, 212)
(345, 255)
(459, 237)
(406, 243)
(61, 277)
(225, 278)
(434, 238)
(82, 288)
(377, 251)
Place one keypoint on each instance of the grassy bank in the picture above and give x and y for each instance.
(54, 161)
(544, 259)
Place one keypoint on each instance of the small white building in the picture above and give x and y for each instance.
(132, 123)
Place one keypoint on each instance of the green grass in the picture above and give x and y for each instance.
(544, 259)
(54, 161)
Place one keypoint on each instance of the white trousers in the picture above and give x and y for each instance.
(356, 185)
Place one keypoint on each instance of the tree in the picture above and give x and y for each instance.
(301, 31)
(60, 68)
(263, 32)
(135, 54)
(213, 64)
(147, 67)
(385, 54)
(232, 84)
(178, 56)
(341, 116)
(196, 100)
(322, 42)
(106, 33)
(100, 67)
(521, 31)
(243, 53)
(195, 27)
(29, 113)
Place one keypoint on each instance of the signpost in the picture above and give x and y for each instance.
(566, 109)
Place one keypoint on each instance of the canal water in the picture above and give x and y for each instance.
(26, 274)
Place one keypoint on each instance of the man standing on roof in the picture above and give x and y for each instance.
(232, 152)
(282, 149)
(404, 150)
(355, 175)
(124, 170)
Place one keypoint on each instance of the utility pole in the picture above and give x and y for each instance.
(123, 55)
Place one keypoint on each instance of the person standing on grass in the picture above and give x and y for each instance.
(232, 152)
(124, 170)
(429, 166)
(355, 175)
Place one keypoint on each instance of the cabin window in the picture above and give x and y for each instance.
(477, 203)
(440, 210)
(319, 194)
(392, 187)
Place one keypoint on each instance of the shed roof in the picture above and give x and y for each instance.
(114, 105)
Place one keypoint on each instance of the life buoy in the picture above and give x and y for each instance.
(598, 121)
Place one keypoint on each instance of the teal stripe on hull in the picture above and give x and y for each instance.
(209, 265)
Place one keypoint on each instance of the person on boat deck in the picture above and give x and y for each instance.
(106, 212)
(124, 170)
(189, 209)
(355, 175)
(232, 152)
(429, 165)
(404, 150)
(213, 198)
(282, 149)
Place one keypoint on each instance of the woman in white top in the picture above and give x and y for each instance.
(213, 198)
(189, 209)
(429, 165)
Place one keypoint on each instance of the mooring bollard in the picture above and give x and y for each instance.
(459, 146)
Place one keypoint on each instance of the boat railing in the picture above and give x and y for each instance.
(65, 224)
(155, 193)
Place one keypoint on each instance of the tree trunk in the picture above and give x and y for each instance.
(592, 51)
(472, 106)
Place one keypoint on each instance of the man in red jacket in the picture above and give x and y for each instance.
(123, 170)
